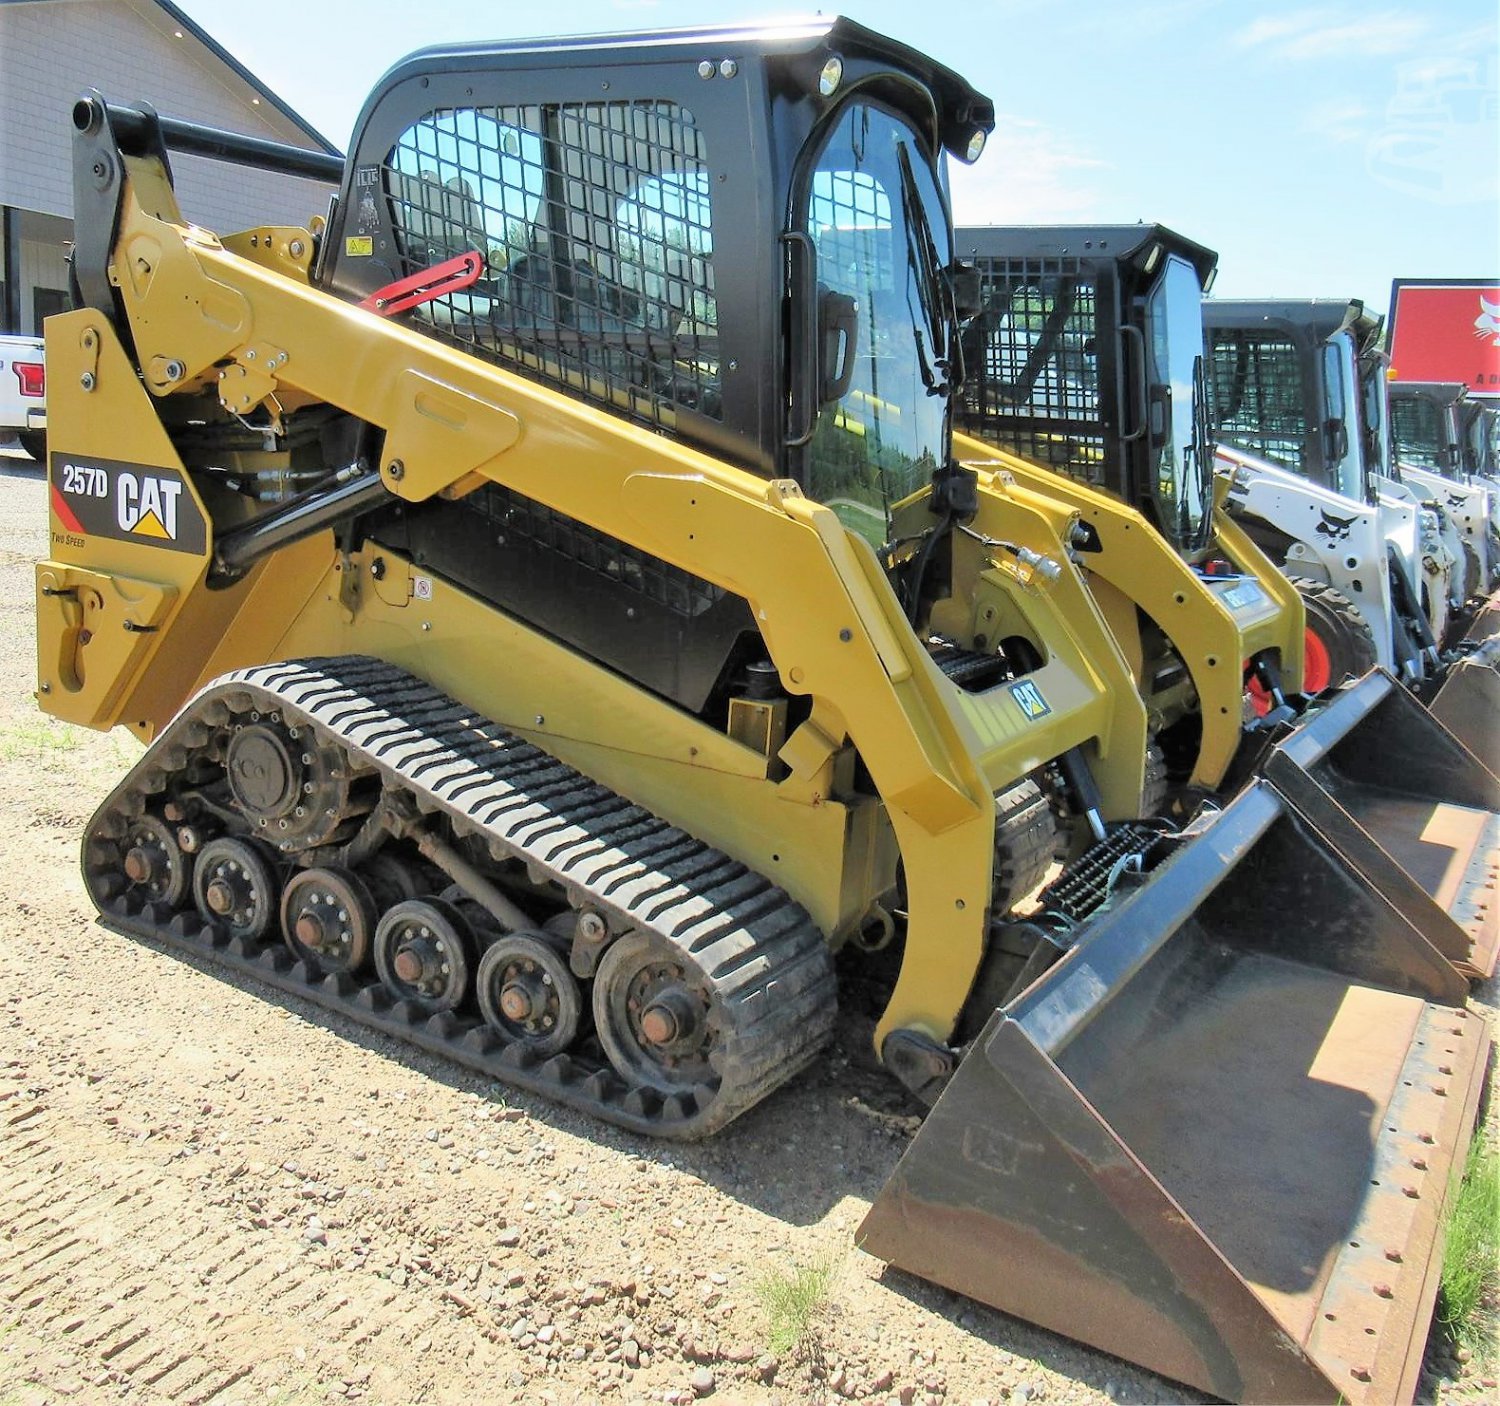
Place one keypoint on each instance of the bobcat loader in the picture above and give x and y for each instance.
(1303, 433)
(1429, 425)
(1442, 439)
(490, 570)
(1304, 437)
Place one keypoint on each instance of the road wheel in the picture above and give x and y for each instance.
(657, 1014)
(1339, 645)
(34, 442)
(424, 952)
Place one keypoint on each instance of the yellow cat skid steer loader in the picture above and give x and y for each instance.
(479, 567)
(1085, 381)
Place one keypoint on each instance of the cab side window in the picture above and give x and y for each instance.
(594, 223)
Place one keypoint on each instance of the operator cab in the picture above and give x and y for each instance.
(1426, 425)
(737, 237)
(1088, 359)
(1302, 386)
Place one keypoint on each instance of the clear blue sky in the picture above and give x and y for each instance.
(1321, 148)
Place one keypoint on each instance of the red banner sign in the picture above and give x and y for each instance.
(1447, 332)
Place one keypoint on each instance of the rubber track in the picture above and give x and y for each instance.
(766, 961)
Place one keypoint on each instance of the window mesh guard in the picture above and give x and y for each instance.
(1032, 365)
(1415, 431)
(1257, 394)
(593, 220)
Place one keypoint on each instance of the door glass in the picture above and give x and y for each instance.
(1340, 396)
(880, 230)
(1375, 419)
(1179, 433)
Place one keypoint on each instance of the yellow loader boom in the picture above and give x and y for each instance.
(562, 629)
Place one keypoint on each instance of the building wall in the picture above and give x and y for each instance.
(132, 51)
(44, 268)
(53, 50)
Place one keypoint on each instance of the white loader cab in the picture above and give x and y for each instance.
(1303, 433)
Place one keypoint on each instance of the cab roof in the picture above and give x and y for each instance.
(961, 107)
(1118, 243)
(1315, 318)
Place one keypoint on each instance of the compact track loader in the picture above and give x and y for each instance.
(1084, 365)
(1084, 382)
(560, 625)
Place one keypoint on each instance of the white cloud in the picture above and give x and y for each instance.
(1338, 120)
(1331, 34)
(1028, 174)
(1271, 28)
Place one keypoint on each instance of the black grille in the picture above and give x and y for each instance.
(1033, 367)
(594, 223)
(1415, 431)
(510, 513)
(1112, 865)
(1257, 395)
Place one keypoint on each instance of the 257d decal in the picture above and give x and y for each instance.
(128, 502)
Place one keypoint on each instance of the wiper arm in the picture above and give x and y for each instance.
(922, 258)
(1203, 445)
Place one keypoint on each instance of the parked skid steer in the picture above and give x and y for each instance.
(1085, 380)
(560, 625)
(1432, 438)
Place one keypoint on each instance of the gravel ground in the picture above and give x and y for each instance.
(209, 1193)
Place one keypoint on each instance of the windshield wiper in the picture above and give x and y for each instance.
(1202, 448)
(923, 260)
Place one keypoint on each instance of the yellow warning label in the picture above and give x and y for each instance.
(359, 246)
(149, 525)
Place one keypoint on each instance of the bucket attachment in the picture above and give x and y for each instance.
(1218, 1136)
(1468, 703)
(1408, 806)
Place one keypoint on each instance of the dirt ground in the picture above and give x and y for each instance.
(210, 1193)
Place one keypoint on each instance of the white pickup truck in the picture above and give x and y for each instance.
(23, 393)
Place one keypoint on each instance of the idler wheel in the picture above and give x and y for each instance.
(154, 863)
(328, 920)
(527, 993)
(424, 953)
(655, 1014)
(234, 887)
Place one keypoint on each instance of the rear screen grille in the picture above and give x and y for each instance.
(1032, 365)
(593, 222)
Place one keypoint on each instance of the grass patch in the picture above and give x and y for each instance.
(38, 738)
(1470, 1291)
(794, 1301)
